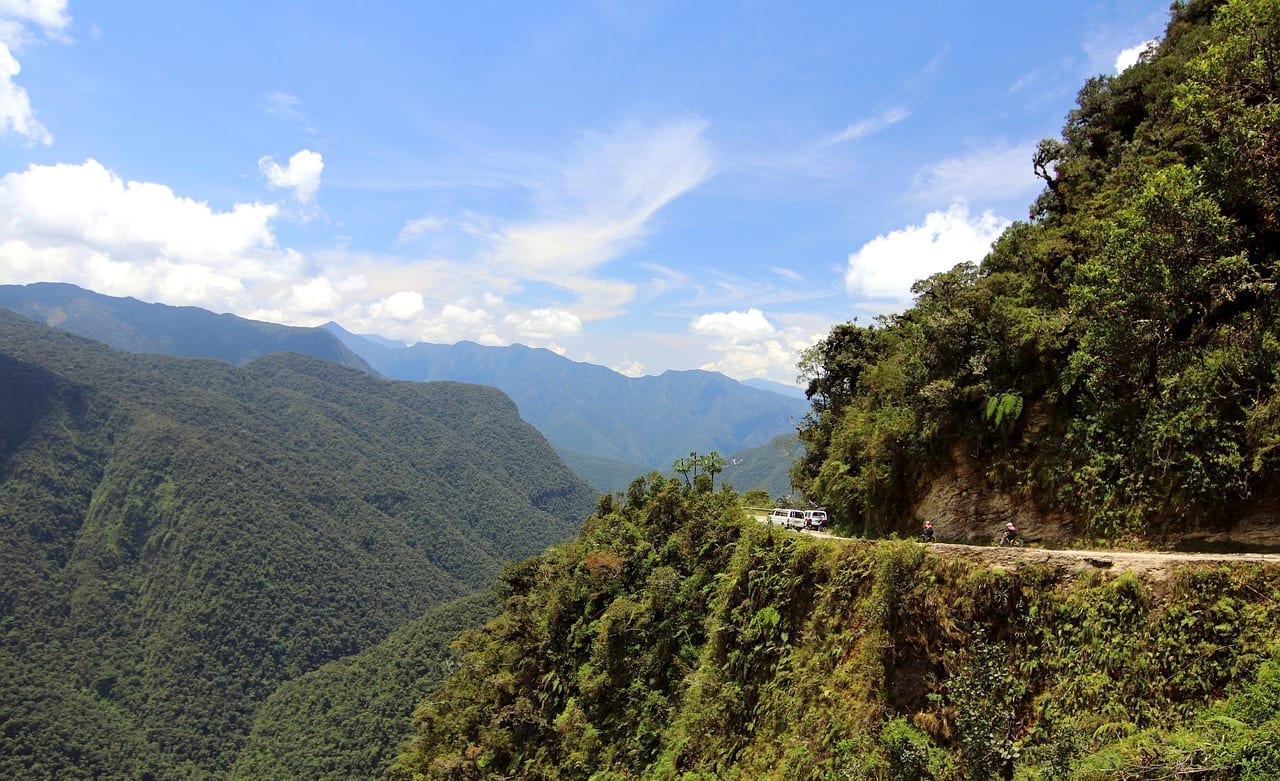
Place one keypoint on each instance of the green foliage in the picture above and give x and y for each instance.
(673, 641)
(180, 537)
(985, 692)
(347, 718)
(1114, 359)
(1003, 407)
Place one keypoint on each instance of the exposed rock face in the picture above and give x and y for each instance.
(1258, 526)
(963, 505)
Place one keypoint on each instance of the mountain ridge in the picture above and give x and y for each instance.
(128, 324)
(593, 410)
(180, 536)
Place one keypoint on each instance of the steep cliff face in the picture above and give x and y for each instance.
(964, 504)
(676, 639)
(1114, 358)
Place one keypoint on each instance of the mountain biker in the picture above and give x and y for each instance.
(928, 532)
(1010, 533)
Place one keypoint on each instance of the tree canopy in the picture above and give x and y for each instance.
(1114, 356)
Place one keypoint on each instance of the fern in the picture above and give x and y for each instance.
(1003, 406)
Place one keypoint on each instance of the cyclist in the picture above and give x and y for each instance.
(1010, 534)
(928, 532)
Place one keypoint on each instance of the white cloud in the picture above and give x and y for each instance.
(456, 320)
(16, 115)
(750, 345)
(631, 369)
(998, 172)
(881, 273)
(50, 15)
(402, 306)
(1130, 56)
(302, 174)
(543, 324)
(316, 296)
(865, 127)
(734, 327)
(84, 224)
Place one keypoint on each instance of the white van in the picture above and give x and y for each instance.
(815, 519)
(784, 517)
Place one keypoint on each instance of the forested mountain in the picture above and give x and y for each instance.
(764, 467)
(178, 537)
(610, 427)
(131, 325)
(347, 719)
(1112, 365)
(676, 639)
(595, 411)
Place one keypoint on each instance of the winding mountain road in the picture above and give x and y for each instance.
(1152, 563)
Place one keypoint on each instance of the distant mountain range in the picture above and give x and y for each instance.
(594, 411)
(179, 537)
(609, 427)
(131, 325)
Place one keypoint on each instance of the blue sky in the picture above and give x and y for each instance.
(643, 185)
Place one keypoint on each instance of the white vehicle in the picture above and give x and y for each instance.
(815, 519)
(785, 517)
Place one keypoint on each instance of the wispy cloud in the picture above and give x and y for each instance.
(604, 200)
(537, 276)
(282, 105)
(865, 127)
(999, 172)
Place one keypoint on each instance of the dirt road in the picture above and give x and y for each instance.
(1150, 563)
(1155, 564)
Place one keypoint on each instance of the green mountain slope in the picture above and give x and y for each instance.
(595, 411)
(1111, 366)
(604, 474)
(134, 326)
(178, 537)
(347, 719)
(674, 639)
(766, 467)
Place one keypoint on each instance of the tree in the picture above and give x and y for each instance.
(683, 466)
(713, 464)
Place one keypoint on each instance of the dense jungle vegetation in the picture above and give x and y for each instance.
(1115, 356)
(179, 537)
(676, 639)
